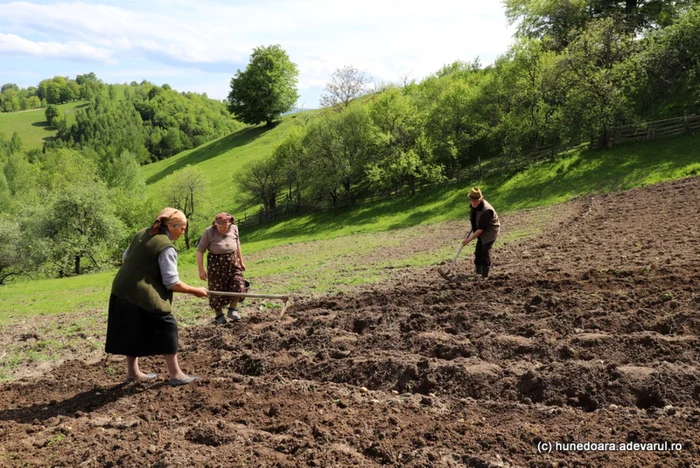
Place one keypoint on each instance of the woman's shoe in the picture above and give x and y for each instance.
(145, 378)
(185, 381)
(220, 319)
(233, 314)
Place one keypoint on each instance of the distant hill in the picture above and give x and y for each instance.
(296, 110)
(31, 125)
(221, 160)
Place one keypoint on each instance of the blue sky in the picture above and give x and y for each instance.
(199, 45)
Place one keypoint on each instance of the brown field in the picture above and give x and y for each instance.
(585, 333)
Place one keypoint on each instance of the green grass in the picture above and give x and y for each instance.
(305, 250)
(31, 125)
(221, 161)
(578, 173)
(597, 171)
(326, 252)
(50, 296)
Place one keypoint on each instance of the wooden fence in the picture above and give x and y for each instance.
(658, 129)
(636, 132)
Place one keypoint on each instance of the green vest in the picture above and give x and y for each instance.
(139, 281)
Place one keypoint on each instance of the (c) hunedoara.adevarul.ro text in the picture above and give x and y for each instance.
(549, 447)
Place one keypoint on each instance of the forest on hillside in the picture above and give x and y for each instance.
(68, 208)
(575, 71)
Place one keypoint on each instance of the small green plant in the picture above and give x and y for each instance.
(55, 439)
(665, 297)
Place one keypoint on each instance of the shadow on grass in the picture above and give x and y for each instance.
(211, 150)
(366, 214)
(43, 124)
(595, 172)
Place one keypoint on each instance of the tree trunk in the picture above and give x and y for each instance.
(631, 11)
(187, 236)
(604, 140)
(348, 190)
(77, 265)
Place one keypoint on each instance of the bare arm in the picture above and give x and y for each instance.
(472, 236)
(187, 289)
(200, 265)
(240, 254)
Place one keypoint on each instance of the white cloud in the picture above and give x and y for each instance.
(386, 39)
(16, 45)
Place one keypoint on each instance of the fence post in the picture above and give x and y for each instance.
(686, 127)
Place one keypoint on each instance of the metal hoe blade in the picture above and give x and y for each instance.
(447, 272)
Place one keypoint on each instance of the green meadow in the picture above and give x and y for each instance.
(222, 161)
(313, 254)
(31, 125)
(326, 236)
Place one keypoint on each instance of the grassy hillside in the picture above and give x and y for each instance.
(222, 160)
(31, 125)
(319, 238)
(580, 172)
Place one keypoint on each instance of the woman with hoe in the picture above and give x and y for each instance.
(485, 229)
(140, 321)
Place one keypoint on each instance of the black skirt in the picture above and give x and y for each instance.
(133, 331)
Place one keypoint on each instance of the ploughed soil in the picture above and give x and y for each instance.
(587, 333)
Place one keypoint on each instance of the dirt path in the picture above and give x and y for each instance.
(587, 333)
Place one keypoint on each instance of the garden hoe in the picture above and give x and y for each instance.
(447, 272)
(284, 298)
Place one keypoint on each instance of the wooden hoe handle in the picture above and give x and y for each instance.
(282, 297)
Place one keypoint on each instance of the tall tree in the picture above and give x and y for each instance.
(456, 125)
(559, 20)
(292, 159)
(602, 74)
(53, 115)
(552, 20)
(528, 93)
(75, 217)
(346, 84)
(339, 147)
(17, 252)
(404, 156)
(262, 181)
(186, 190)
(80, 224)
(672, 60)
(266, 89)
